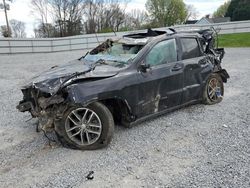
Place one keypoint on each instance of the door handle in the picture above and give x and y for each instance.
(177, 67)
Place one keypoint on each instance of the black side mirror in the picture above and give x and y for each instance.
(144, 67)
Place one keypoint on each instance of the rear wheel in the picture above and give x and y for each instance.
(214, 90)
(86, 128)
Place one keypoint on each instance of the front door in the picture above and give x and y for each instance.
(161, 84)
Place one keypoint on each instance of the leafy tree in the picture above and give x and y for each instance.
(221, 11)
(242, 13)
(239, 10)
(167, 12)
(231, 8)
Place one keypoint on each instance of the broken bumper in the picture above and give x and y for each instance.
(25, 106)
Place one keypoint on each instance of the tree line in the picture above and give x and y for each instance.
(60, 18)
(237, 10)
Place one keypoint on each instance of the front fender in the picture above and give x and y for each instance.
(86, 93)
(224, 75)
(76, 95)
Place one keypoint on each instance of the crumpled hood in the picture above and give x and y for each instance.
(51, 80)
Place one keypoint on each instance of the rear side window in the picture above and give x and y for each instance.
(162, 53)
(190, 48)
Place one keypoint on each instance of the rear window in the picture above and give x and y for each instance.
(190, 48)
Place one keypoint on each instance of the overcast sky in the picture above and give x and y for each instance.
(20, 10)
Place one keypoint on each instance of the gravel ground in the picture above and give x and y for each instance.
(197, 146)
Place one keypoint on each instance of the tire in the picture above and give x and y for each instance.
(91, 135)
(214, 83)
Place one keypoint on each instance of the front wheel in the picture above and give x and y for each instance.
(214, 89)
(86, 128)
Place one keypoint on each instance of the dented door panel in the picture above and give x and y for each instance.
(160, 88)
(193, 79)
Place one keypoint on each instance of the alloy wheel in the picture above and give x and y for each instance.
(83, 126)
(214, 90)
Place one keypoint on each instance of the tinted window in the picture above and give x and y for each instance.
(163, 52)
(190, 48)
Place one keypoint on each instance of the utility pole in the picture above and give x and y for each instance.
(6, 7)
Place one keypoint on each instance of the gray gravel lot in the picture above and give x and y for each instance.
(197, 146)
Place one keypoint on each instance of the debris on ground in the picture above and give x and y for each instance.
(90, 175)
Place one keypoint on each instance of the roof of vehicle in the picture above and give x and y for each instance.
(149, 33)
(143, 38)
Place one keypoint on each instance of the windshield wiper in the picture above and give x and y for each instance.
(84, 56)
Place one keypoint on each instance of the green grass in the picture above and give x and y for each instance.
(234, 40)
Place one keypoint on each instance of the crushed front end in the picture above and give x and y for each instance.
(44, 106)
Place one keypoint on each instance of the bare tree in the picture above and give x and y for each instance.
(114, 16)
(41, 32)
(192, 12)
(93, 9)
(72, 17)
(68, 16)
(104, 15)
(41, 10)
(4, 31)
(135, 19)
(18, 28)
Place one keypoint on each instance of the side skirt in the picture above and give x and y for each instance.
(152, 116)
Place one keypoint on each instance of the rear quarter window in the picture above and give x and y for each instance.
(190, 48)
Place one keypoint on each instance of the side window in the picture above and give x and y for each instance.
(161, 53)
(190, 48)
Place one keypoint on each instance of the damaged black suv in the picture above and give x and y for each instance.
(124, 81)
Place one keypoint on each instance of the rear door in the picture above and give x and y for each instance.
(196, 68)
(161, 85)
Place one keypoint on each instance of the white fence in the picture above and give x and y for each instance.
(225, 28)
(34, 45)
